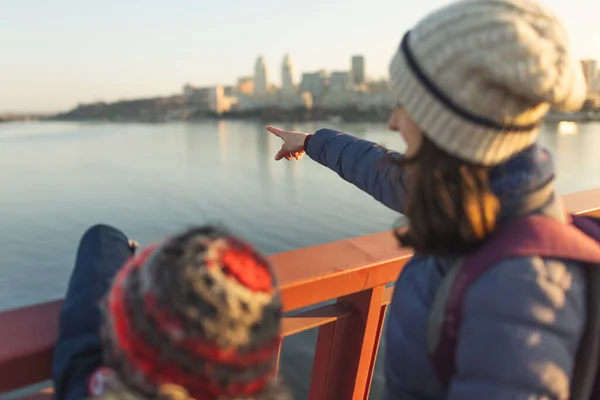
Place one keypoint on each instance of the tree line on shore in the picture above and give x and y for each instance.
(171, 109)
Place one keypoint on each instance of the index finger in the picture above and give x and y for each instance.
(275, 131)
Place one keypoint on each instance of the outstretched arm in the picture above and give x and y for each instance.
(361, 163)
(522, 324)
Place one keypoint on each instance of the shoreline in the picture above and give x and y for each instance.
(547, 121)
(115, 113)
(299, 116)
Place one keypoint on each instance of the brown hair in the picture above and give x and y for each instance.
(450, 205)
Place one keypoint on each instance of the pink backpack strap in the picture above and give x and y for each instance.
(529, 236)
(589, 226)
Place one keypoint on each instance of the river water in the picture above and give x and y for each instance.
(58, 178)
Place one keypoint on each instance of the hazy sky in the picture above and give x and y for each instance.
(57, 53)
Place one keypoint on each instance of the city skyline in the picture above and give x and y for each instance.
(67, 52)
(289, 78)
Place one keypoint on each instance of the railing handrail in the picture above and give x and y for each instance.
(355, 271)
(324, 272)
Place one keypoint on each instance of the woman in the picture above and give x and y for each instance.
(472, 82)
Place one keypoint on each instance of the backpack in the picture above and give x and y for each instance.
(534, 235)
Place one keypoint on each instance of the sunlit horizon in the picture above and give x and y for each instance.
(59, 54)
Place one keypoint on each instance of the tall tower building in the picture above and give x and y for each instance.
(590, 71)
(287, 75)
(315, 84)
(358, 70)
(261, 83)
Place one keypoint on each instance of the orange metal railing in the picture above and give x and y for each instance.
(355, 272)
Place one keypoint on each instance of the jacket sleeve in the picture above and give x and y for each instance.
(360, 162)
(521, 329)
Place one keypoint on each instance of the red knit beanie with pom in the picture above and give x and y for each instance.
(202, 311)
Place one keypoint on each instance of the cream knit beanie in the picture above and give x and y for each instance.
(478, 76)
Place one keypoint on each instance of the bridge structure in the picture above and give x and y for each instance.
(346, 285)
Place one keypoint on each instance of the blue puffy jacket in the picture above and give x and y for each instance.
(523, 319)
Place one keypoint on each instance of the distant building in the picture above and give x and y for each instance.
(288, 85)
(196, 96)
(339, 100)
(590, 72)
(340, 81)
(228, 90)
(358, 70)
(261, 83)
(314, 83)
(593, 101)
(294, 101)
(375, 100)
(380, 86)
(245, 85)
(210, 98)
(363, 100)
(251, 102)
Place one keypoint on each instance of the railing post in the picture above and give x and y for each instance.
(346, 350)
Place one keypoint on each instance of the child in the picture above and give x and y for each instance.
(197, 316)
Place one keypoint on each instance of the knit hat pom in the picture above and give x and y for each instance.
(201, 311)
(478, 76)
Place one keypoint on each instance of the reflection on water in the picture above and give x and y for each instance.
(264, 147)
(575, 149)
(566, 128)
(57, 178)
(222, 134)
(291, 179)
(151, 180)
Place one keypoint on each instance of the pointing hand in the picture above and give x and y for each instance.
(293, 143)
